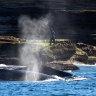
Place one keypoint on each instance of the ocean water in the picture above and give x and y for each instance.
(83, 85)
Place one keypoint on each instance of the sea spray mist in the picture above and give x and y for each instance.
(32, 30)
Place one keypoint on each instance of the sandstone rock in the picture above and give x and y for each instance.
(91, 60)
(60, 51)
(62, 66)
(89, 49)
(80, 55)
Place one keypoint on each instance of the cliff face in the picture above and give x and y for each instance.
(70, 1)
(72, 19)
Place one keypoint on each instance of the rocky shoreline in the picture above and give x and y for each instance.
(74, 51)
(58, 58)
(62, 65)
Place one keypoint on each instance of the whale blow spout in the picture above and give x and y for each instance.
(32, 30)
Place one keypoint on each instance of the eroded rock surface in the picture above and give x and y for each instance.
(61, 65)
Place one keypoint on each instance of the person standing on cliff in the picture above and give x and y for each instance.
(52, 36)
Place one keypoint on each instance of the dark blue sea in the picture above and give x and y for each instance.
(84, 85)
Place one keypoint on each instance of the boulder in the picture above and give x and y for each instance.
(80, 56)
(89, 49)
(91, 60)
(59, 51)
(62, 66)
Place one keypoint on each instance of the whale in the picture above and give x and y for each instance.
(18, 73)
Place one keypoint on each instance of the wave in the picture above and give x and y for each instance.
(67, 70)
(57, 78)
(82, 64)
(3, 65)
(78, 78)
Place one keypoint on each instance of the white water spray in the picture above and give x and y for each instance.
(33, 29)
